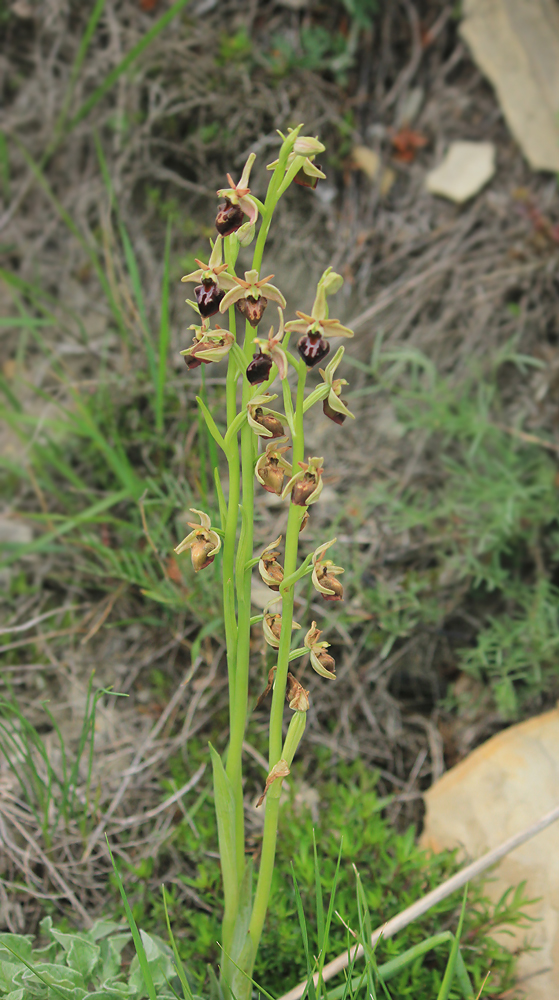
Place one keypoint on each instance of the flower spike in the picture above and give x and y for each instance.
(306, 486)
(204, 543)
(324, 574)
(238, 202)
(333, 406)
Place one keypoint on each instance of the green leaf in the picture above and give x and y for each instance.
(210, 423)
(225, 813)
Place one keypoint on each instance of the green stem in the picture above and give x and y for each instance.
(230, 526)
(243, 582)
(295, 517)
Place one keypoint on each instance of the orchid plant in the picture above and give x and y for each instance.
(256, 446)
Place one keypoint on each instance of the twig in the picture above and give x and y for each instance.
(529, 438)
(52, 870)
(151, 813)
(421, 906)
(111, 601)
(41, 618)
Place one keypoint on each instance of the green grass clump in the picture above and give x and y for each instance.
(347, 819)
(480, 521)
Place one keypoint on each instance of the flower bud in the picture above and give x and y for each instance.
(295, 695)
(199, 553)
(294, 736)
(252, 309)
(245, 234)
(271, 423)
(330, 581)
(334, 415)
(313, 348)
(229, 218)
(258, 370)
(208, 296)
(308, 145)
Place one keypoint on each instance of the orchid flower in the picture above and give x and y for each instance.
(203, 542)
(305, 149)
(306, 486)
(265, 422)
(313, 345)
(271, 349)
(271, 624)
(324, 574)
(213, 281)
(333, 406)
(208, 346)
(269, 568)
(271, 467)
(238, 202)
(321, 661)
(251, 296)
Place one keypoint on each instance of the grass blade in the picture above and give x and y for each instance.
(188, 995)
(75, 72)
(446, 984)
(164, 332)
(138, 943)
(38, 544)
(127, 61)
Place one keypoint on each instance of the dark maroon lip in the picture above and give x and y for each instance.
(252, 309)
(258, 369)
(208, 296)
(334, 415)
(229, 218)
(313, 348)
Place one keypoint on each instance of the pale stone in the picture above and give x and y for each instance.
(466, 168)
(367, 160)
(499, 789)
(516, 45)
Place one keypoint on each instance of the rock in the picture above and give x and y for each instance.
(465, 169)
(500, 788)
(515, 43)
(366, 160)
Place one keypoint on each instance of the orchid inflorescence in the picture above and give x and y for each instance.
(271, 456)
